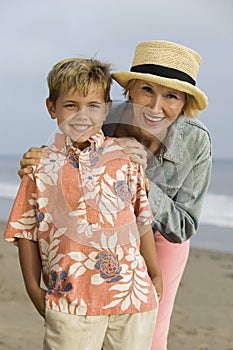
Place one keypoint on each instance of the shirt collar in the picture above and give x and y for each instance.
(173, 149)
(95, 140)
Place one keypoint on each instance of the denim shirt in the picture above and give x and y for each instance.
(179, 176)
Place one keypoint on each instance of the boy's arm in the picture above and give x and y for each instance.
(148, 251)
(30, 263)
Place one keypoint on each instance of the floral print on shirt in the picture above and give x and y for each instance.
(83, 209)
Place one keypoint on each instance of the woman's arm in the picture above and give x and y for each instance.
(176, 210)
(177, 216)
(30, 263)
(177, 219)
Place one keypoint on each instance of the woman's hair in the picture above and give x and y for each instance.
(191, 108)
(79, 74)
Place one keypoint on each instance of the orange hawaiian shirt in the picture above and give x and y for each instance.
(84, 209)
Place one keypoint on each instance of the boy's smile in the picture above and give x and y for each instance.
(79, 116)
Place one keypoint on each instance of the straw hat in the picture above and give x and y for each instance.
(166, 63)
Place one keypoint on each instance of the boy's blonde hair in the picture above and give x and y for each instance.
(79, 74)
(191, 108)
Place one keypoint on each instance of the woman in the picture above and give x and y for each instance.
(159, 127)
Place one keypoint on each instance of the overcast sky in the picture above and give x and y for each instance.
(36, 34)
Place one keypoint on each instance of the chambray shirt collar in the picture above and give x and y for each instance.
(173, 149)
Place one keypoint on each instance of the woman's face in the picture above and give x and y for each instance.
(155, 107)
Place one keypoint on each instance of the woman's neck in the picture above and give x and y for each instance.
(151, 143)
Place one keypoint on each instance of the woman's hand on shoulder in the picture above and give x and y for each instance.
(134, 149)
(30, 158)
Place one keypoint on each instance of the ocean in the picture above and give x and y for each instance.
(216, 225)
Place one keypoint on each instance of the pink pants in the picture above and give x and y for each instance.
(172, 258)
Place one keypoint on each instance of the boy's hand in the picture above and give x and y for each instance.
(38, 299)
(31, 157)
(30, 263)
(158, 284)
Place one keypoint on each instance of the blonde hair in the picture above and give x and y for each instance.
(79, 74)
(191, 109)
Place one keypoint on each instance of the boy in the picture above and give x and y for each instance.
(82, 219)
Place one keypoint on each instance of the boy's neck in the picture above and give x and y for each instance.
(81, 145)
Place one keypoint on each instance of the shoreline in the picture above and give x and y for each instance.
(202, 317)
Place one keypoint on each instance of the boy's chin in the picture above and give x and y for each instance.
(79, 138)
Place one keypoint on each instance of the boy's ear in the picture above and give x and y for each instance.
(51, 108)
(108, 106)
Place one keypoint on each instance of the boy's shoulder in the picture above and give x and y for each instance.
(112, 152)
(111, 145)
(53, 156)
(108, 140)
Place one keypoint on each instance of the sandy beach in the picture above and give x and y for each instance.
(202, 318)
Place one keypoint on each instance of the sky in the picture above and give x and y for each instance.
(37, 34)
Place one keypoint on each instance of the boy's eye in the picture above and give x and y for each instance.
(70, 105)
(94, 106)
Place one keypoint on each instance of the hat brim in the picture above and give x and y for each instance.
(124, 77)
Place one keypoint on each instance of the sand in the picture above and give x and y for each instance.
(202, 317)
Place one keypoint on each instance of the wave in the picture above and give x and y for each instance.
(217, 209)
(8, 190)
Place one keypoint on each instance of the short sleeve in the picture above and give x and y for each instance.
(22, 222)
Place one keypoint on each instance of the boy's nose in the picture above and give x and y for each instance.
(82, 111)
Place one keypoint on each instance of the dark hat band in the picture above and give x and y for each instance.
(162, 71)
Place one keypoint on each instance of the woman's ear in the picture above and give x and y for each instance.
(51, 108)
(183, 110)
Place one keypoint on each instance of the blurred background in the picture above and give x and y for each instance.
(35, 35)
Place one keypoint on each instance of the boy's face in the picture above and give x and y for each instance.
(78, 116)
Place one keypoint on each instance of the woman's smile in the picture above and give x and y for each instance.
(155, 105)
(152, 120)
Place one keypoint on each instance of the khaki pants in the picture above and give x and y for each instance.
(106, 332)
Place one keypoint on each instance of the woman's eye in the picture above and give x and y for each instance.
(147, 89)
(171, 96)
